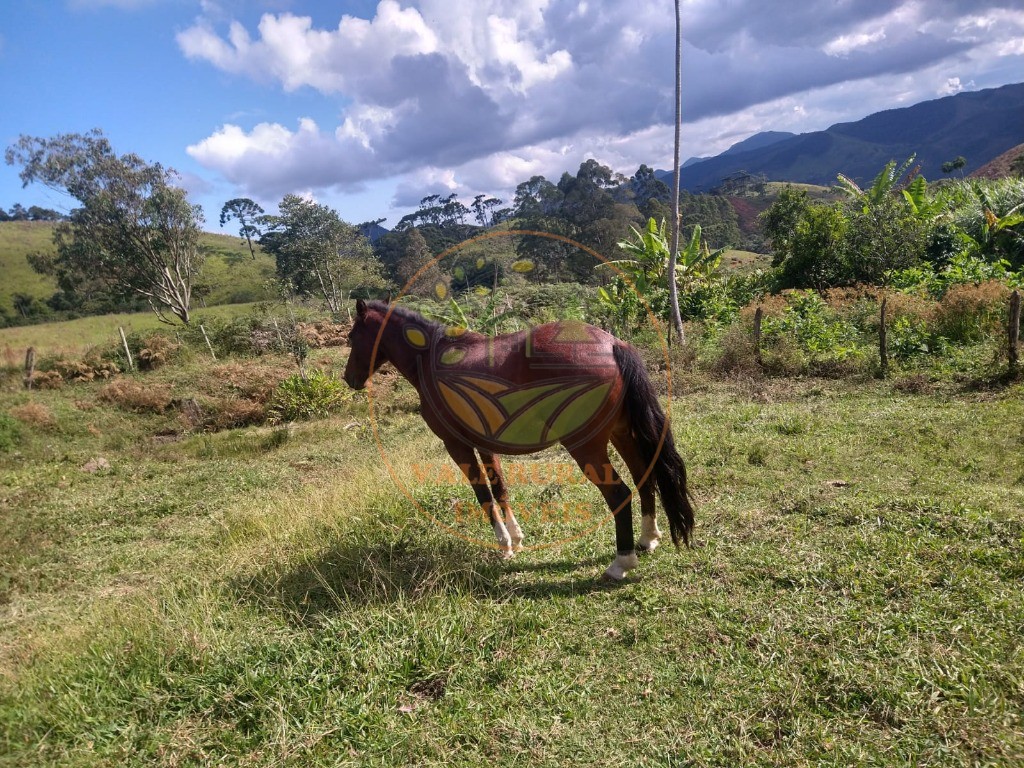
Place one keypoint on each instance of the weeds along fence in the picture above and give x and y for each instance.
(970, 320)
(871, 330)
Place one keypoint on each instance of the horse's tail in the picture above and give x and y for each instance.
(651, 430)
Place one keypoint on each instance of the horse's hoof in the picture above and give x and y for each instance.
(622, 565)
(645, 547)
(507, 554)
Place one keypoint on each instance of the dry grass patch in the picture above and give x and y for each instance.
(137, 398)
(970, 312)
(253, 380)
(34, 415)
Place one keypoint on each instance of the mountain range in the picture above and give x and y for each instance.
(976, 125)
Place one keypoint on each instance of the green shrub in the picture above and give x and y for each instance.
(313, 397)
(10, 433)
(818, 330)
(908, 336)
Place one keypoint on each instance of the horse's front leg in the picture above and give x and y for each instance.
(496, 477)
(593, 460)
(467, 461)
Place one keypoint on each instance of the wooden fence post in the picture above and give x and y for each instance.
(1014, 331)
(30, 366)
(758, 316)
(208, 344)
(883, 350)
(127, 351)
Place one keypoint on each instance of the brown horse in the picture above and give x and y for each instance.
(518, 393)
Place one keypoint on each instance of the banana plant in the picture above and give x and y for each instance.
(647, 269)
(886, 182)
(1000, 235)
(922, 206)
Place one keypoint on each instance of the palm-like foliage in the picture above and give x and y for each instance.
(645, 273)
(886, 182)
(922, 205)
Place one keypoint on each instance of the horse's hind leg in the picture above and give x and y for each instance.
(593, 460)
(650, 535)
(492, 464)
(467, 461)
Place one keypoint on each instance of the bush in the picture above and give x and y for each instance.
(818, 330)
(908, 337)
(735, 352)
(151, 350)
(300, 399)
(137, 398)
(969, 313)
(34, 415)
(216, 413)
(10, 433)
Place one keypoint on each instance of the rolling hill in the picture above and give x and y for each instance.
(979, 126)
(230, 272)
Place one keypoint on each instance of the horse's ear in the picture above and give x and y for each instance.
(360, 308)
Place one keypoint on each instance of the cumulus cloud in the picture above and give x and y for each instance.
(479, 96)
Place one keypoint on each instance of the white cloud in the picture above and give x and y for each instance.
(845, 44)
(476, 97)
(951, 86)
(290, 51)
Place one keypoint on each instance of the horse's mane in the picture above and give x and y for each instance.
(432, 328)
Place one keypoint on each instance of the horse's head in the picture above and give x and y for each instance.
(364, 348)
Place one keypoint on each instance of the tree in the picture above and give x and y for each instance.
(248, 214)
(483, 209)
(318, 254)
(135, 232)
(418, 272)
(884, 237)
(956, 164)
(537, 208)
(649, 192)
(26, 304)
(780, 219)
(35, 213)
(816, 256)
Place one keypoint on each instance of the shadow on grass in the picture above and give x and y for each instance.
(359, 572)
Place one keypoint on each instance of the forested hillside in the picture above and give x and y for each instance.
(977, 126)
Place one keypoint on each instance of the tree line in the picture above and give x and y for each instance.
(18, 212)
(135, 236)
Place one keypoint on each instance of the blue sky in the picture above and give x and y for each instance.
(369, 106)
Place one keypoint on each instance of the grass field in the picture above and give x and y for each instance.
(744, 261)
(73, 338)
(230, 272)
(269, 596)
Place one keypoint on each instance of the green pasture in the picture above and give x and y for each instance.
(74, 338)
(230, 272)
(271, 596)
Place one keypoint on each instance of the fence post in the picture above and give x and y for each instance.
(208, 344)
(127, 351)
(758, 316)
(883, 350)
(30, 366)
(1014, 331)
